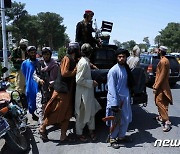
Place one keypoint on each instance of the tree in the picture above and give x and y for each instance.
(42, 29)
(117, 43)
(146, 40)
(128, 45)
(17, 16)
(132, 43)
(52, 31)
(170, 36)
(157, 40)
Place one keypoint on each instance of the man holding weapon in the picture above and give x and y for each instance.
(84, 30)
(118, 110)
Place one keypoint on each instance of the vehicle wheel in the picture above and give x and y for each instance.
(16, 141)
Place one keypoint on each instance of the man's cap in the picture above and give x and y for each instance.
(89, 12)
(46, 49)
(122, 51)
(136, 50)
(31, 48)
(163, 48)
(74, 44)
(24, 42)
(86, 47)
(73, 48)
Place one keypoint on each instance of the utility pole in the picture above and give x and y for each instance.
(5, 59)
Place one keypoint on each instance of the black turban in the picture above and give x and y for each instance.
(122, 51)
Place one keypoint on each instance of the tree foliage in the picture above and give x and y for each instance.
(43, 29)
(51, 30)
(170, 36)
(117, 43)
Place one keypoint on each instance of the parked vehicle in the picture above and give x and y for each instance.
(104, 58)
(13, 119)
(177, 55)
(149, 63)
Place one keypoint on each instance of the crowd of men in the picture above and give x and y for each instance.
(59, 91)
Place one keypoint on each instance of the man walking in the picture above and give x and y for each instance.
(119, 83)
(161, 89)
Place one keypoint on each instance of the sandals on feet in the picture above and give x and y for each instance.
(43, 136)
(82, 138)
(93, 136)
(158, 119)
(114, 143)
(167, 127)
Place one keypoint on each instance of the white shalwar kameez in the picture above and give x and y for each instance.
(86, 106)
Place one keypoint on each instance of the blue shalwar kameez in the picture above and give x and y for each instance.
(118, 92)
(28, 68)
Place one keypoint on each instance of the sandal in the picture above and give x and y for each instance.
(43, 136)
(114, 143)
(167, 127)
(66, 140)
(82, 138)
(93, 136)
(158, 119)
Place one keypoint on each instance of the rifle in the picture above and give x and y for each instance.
(97, 31)
(116, 120)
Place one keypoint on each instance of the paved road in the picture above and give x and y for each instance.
(144, 131)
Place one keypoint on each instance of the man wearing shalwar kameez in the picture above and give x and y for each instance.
(86, 106)
(161, 89)
(119, 81)
(28, 67)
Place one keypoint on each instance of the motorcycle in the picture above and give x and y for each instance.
(13, 120)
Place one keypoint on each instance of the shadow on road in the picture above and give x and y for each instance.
(139, 129)
(142, 122)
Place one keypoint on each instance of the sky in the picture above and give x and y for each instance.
(132, 19)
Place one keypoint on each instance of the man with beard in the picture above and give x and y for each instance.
(18, 55)
(59, 108)
(28, 67)
(45, 75)
(84, 30)
(119, 82)
(161, 89)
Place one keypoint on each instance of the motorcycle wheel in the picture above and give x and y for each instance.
(16, 141)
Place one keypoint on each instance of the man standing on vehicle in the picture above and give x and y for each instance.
(119, 81)
(161, 89)
(84, 30)
(18, 55)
